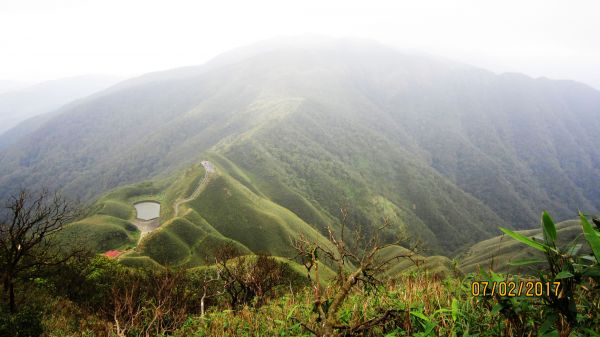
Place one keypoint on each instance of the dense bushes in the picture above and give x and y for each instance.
(25, 323)
(575, 305)
(262, 295)
(113, 299)
(133, 302)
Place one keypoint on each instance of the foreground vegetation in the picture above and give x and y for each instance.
(417, 305)
(341, 287)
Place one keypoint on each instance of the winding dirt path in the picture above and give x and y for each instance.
(208, 169)
(147, 226)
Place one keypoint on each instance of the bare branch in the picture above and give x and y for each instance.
(28, 228)
(354, 267)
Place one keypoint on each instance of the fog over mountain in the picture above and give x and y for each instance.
(8, 85)
(299, 168)
(445, 148)
(20, 102)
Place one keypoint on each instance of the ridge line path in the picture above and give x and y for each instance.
(147, 226)
(208, 169)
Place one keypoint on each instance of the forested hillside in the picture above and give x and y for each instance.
(444, 150)
(26, 101)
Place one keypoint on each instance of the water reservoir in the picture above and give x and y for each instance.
(147, 210)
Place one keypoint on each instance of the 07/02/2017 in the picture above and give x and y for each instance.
(514, 289)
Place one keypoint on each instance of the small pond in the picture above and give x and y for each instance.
(147, 210)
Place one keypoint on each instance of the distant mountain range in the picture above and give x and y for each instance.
(8, 85)
(444, 151)
(19, 101)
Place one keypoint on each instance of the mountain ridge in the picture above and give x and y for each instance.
(28, 107)
(447, 150)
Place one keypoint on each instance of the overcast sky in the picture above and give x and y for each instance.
(48, 39)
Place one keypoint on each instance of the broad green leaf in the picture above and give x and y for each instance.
(420, 315)
(441, 311)
(494, 277)
(549, 229)
(454, 309)
(563, 274)
(522, 238)
(525, 262)
(590, 236)
(429, 326)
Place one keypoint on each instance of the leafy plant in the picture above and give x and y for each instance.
(576, 274)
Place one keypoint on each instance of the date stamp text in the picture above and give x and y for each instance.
(515, 288)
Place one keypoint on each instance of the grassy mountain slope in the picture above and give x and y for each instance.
(497, 252)
(434, 265)
(100, 233)
(256, 222)
(224, 212)
(446, 151)
(355, 167)
(19, 105)
(108, 223)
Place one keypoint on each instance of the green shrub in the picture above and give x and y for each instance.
(27, 322)
(574, 306)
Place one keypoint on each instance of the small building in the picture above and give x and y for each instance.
(113, 254)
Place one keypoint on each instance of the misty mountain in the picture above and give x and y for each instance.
(8, 85)
(20, 103)
(446, 150)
